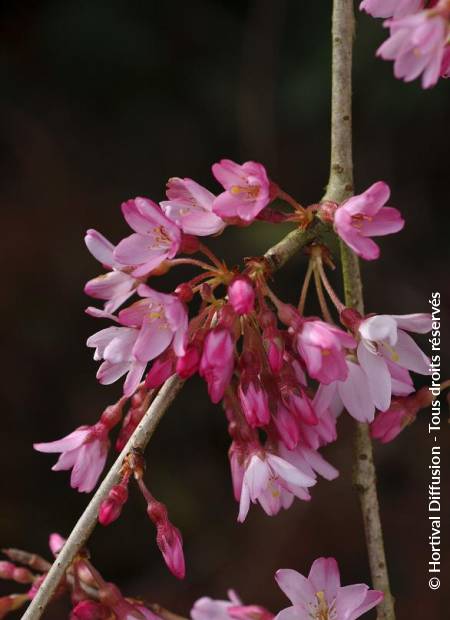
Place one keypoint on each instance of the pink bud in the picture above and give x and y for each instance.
(275, 349)
(241, 295)
(111, 507)
(287, 427)
(301, 406)
(170, 543)
(162, 368)
(184, 292)
(217, 362)
(7, 570)
(56, 543)
(90, 610)
(189, 363)
(189, 244)
(254, 401)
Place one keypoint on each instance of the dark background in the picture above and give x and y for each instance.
(103, 100)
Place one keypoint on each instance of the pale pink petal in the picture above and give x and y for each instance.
(134, 377)
(410, 355)
(109, 373)
(100, 247)
(70, 442)
(289, 473)
(297, 588)
(354, 392)
(154, 338)
(324, 577)
(419, 323)
(379, 327)
(386, 222)
(348, 599)
(378, 376)
(373, 598)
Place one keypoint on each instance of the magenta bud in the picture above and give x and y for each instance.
(162, 368)
(188, 364)
(184, 292)
(241, 295)
(254, 402)
(56, 543)
(111, 507)
(287, 427)
(90, 610)
(170, 543)
(189, 244)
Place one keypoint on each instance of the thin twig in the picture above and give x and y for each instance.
(339, 188)
(88, 519)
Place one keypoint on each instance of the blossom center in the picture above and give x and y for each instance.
(252, 191)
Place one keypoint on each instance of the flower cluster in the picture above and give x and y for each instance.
(282, 377)
(419, 41)
(320, 596)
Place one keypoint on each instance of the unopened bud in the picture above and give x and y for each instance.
(184, 292)
(111, 507)
(242, 295)
(189, 244)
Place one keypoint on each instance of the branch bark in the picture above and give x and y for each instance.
(339, 188)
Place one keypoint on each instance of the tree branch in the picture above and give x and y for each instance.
(339, 188)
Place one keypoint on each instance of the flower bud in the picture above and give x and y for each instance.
(188, 364)
(90, 610)
(111, 507)
(189, 244)
(184, 292)
(162, 368)
(241, 295)
(170, 543)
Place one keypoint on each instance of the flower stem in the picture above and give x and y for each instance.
(305, 287)
(330, 290)
(321, 297)
(339, 188)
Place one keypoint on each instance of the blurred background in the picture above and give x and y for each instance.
(103, 100)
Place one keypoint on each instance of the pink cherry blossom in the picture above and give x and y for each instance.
(273, 482)
(156, 238)
(149, 327)
(365, 216)
(84, 451)
(352, 393)
(217, 362)
(190, 206)
(162, 320)
(309, 461)
(321, 595)
(115, 286)
(207, 608)
(115, 346)
(241, 295)
(416, 45)
(247, 190)
(391, 8)
(384, 344)
(321, 346)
